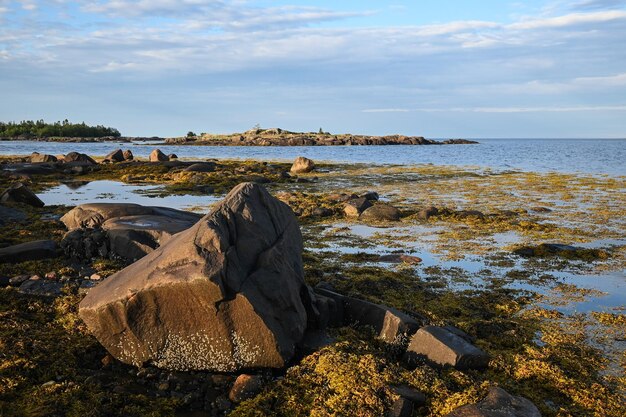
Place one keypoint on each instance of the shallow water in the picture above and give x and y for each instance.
(117, 192)
(595, 156)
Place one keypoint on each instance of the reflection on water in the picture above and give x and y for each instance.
(81, 192)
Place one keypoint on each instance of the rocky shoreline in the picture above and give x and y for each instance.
(249, 310)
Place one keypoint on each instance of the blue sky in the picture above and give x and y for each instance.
(438, 69)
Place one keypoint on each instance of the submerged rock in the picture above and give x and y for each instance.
(498, 403)
(224, 295)
(302, 165)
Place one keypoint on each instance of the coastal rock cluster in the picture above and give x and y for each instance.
(280, 137)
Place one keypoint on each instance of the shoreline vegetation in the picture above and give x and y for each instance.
(80, 133)
(489, 256)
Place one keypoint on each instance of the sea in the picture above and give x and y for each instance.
(585, 156)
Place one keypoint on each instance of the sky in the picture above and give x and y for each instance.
(444, 69)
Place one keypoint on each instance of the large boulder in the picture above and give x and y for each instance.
(226, 294)
(95, 214)
(498, 403)
(115, 156)
(76, 158)
(302, 165)
(19, 193)
(157, 156)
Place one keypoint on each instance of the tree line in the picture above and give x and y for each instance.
(41, 129)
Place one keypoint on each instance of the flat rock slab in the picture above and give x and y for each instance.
(498, 403)
(389, 323)
(442, 347)
(30, 251)
(224, 295)
(45, 288)
(95, 214)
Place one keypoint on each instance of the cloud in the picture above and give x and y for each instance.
(599, 4)
(569, 20)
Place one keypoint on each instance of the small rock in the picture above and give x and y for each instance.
(201, 167)
(128, 155)
(381, 212)
(48, 384)
(411, 394)
(158, 156)
(51, 275)
(302, 165)
(427, 213)
(41, 287)
(163, 386)
(95, 277)
(356, 206)
(498, 403)
(401, 408)
(115, 156)
(18, 280)
(400, 258)
(322, 212)
(172, 156)
(443, 347)
(245, 387)
(541, 209)
(371, 196)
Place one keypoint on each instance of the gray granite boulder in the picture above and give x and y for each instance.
(225, 295)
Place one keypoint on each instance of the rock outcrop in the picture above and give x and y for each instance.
(224, 295)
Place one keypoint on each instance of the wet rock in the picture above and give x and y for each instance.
(411, 394)
(341, 197)
(85, 243)
(95, 214)
(158, 156)
(498, 403)
(19, 193)
(41, 287)
(401, 408)
(27, 170)
(539, 209)
(85, 286)
(37, 158)
(245, 387)
(427, 213)
(79, 159)
(442, 347)
(201, 167)
(128, 155)
(224, 295)
(464, 214)
(356, 206)
(115, 156)
(400, 258)
(9, 215)
(16, 281)
(302, 165)
(133, 237)
(390, 324)
(30, 251)
(381, 212)
(371, 196)
(322, 212)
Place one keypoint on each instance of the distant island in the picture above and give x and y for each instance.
(29, 130)
(280, 137)
(66, 131)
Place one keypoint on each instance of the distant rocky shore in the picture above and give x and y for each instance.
(259, 137)
(280, 137)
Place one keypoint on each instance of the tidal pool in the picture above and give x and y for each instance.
(78, 192)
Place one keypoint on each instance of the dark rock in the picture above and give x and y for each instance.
(356, 206)
(390, 324)
(4, 281)
(85, 244)
(464, 214)
(37, 158)
(427, 213)
(27, 170)
(115, 156)
(201, 167)
(172, 156)
(381, 212)
(545, 249)
(221, 296)
(16, 281)
(19, 193)
(371, 196)
(41, 287)
(441, 347)
(322, 212)
(128, 155)
(245, 387)
(401, 408)
(158, 156)
(411, 394)
(302, 165)
(341, 197)
(541, 209)
(9, 215)
(80, 158)
(498, 403)
(30, 251)
(133, 237)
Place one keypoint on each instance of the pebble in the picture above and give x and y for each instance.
(95, 277)
(51, 275)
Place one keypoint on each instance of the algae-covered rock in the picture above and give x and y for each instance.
(223, 295)
(498, 403)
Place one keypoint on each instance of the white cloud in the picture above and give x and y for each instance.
(569, 20)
